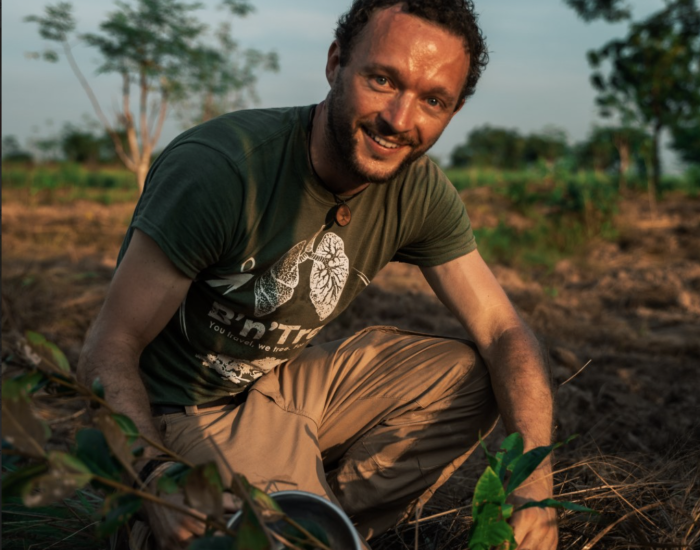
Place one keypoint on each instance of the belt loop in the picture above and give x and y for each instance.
(191, 410)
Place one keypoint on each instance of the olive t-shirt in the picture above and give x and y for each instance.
(236, 206)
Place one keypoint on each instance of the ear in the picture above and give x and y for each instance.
(459, 106)
(333, 62)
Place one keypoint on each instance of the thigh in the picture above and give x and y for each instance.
(275, 450)
(350, 386)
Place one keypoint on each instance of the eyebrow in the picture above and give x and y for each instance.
(395, 75)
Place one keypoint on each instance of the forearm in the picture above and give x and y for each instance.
(521, 384)
(116, 362)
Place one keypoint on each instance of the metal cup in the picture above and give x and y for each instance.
(303, 506)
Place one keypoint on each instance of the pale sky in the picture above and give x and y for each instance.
(538, 74)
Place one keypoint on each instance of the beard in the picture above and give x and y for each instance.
(343, 144)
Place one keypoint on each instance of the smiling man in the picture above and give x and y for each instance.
(257, 229)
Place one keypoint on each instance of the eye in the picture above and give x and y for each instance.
(380, 80)
(434, 102)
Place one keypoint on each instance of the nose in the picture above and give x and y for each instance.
(399, 113)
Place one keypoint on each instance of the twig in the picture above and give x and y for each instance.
(605, 531)
(579, 371)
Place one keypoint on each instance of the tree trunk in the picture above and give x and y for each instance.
(623, 148)
(655, 176)
(142, 172)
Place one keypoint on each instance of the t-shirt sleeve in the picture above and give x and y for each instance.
(445, 232)
(191, 205)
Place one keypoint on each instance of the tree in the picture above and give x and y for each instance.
(610, 10)
(548, 145)
(686, 140)
(489, 146)
(224, 78)
(13, 152)
(609, 148)
(653, 75)
(156, 47)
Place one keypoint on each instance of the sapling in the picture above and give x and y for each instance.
(506, 471)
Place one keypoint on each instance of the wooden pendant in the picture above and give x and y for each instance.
(342, 215)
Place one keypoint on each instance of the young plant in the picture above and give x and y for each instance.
(103, 456)
(506, 471)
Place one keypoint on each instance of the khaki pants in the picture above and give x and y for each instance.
(376, 423)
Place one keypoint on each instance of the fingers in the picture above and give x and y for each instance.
(535, 529)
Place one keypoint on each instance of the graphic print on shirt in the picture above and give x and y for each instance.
(329, 273)
(236, 371)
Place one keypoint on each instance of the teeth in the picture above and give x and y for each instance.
(382, 142)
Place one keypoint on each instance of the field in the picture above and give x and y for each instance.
(606, 284)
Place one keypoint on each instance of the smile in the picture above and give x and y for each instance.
(381, 141)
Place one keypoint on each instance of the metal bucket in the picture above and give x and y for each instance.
(330, 518)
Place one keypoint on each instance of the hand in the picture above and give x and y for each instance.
(534, 528)
(172, 530)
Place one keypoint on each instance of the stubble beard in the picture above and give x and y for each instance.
(343, 145)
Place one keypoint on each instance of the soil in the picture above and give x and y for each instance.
(629, 310)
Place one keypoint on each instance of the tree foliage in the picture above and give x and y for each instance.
(161, 50)
(652, 76)
(507, 149)
(610, 10)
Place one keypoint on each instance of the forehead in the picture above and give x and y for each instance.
(392, 33)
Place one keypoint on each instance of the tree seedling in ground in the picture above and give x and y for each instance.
(506, 471)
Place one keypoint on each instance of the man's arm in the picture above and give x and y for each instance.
(144, 294)
(519, 376)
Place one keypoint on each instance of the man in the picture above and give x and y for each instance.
(257, 229)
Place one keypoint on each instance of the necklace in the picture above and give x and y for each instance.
(340, 213)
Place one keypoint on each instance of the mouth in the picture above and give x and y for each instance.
(384, 143)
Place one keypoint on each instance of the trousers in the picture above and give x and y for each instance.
(375, 423)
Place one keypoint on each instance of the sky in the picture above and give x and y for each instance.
(538, 75)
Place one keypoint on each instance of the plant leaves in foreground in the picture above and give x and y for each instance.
(120, 509)
(490, 529)
(20, 427)
(116, 440)
(203, 490)
(551, 503)
(65, 475)
(48, 351)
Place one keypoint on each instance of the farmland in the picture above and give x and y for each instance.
(604, 281)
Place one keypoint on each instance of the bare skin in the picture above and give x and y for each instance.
(399, 91)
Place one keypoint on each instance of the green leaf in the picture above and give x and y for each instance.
(489, 529)
(562, 504)
(65, 475)
(127, 426)
(529, 462)
(20, 427)
(489, 489)
(507, 510)
(48, 351)
(92, 449)
(120, 510)
(116, 440)
(97, 388)
(513, 451)
(203, 490)
(14, 483)
(493, 462)
(250, 533)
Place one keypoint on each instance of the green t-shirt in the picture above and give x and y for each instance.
(235, 205)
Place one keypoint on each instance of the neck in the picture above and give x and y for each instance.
(322, 159)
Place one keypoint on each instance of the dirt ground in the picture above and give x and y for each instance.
(631, 308)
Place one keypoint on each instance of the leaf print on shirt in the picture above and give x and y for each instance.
(329, 274)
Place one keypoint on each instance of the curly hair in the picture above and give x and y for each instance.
(455, 16)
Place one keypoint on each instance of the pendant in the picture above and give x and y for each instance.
(342, 215)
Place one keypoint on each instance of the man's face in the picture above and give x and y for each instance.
(395, 96)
